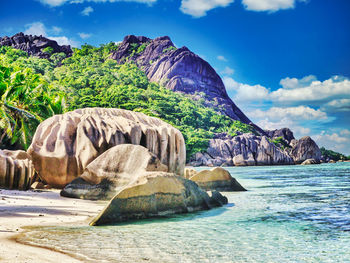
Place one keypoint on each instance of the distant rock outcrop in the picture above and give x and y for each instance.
(156, 194)
(34, 45)
(283, 133)
(309, 161)
(178, 69)
(242, 150)
(64, 145)
(16, 170)
(304, 149)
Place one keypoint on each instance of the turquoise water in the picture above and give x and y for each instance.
(289, 214)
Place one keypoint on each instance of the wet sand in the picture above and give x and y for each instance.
(21, 209)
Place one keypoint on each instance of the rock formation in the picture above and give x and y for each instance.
(284, 133)
(180, 70)
(34, 45)
(242, 150)
(156, 194)
(16, 170)
(309, 161)
(304, 149)
(64, 145)
(111, 171)
(216, 179)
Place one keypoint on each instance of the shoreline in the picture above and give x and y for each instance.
(21, 210)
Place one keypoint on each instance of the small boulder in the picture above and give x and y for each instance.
(309, 161)
(189, 172)
(217, 179)
(155, 194)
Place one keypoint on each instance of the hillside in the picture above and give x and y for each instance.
(39, 79)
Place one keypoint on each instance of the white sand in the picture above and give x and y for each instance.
(30, 208)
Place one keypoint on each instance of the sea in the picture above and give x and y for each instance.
(289, 214)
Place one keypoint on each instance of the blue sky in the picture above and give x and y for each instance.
(286, 63)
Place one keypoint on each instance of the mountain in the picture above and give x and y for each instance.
(140, 74)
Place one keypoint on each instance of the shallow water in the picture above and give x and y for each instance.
(289, 214)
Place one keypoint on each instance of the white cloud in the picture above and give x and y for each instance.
(268, 5)
(38, 28)
(222, 58)
(334, 141)
(199, 8)
(227, 71)
(293, 113)
(297, 129)
(56, 30)
(337, 105)
(84, 35)
(245, 92)
(87, 11)
(54, 3)
(311, 89)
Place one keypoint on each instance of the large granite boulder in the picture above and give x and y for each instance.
(64, 145)
(217, 179)
(35, 45)
(111, 171)
(180, 70)
(156, 194)
(305, 148)
(16, 170)
(242, 150)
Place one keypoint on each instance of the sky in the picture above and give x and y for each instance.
(285, 63)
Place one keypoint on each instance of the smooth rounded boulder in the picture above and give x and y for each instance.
(217, 179)
(156, 194)
(64, 145)
(113, 170)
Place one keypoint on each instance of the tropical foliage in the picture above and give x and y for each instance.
(333, 155)
(33, 89)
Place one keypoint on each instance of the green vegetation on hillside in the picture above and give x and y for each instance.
(90, 79)
(333, 155)
(280, 142)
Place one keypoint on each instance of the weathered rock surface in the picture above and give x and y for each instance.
(285, 133)
(34, 45)
(155, 194)
(309, 161)
(189, 172)
(304, 149)
(16, 170)
(113, 170)
(179, 69)
(217, 179)
(64, 145)
(242, 150)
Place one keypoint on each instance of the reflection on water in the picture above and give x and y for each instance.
(289, 214)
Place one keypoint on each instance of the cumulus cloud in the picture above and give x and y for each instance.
(38, 28)
(293, 113)
(297, 129)
(227, 71)
(84, 35)
(199, 8)
(336, 141)
(337, 105)
(311, 89)
(268, 5)
(222, 58)
(245, 92)
(87, 11)
(54, 3)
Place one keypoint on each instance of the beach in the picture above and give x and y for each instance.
(21, 209)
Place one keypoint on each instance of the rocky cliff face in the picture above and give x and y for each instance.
(178, 69)
(251, 150)
(34, 45)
